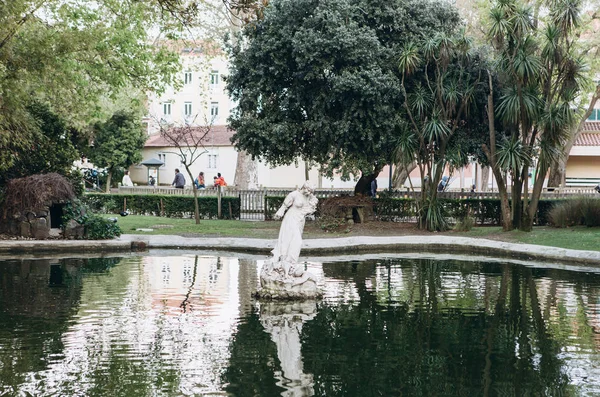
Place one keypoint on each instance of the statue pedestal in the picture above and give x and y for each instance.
(286, 281)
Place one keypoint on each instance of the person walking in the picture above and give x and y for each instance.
(199, 182)
(179, 181)
(126, 181)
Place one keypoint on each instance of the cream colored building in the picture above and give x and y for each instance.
(199, 98)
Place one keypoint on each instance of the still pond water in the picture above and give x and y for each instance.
(171, 324)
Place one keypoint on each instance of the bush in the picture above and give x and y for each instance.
(98, 228)
(465, 224)
(580, 211)
(165, 205)
(95, 227)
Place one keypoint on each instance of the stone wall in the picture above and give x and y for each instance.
(37, 225)
(30, 224)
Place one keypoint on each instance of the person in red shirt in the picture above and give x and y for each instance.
(221, 180)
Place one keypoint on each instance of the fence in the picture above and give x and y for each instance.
(259, 205)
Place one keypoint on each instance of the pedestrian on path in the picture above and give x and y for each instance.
(179, 181)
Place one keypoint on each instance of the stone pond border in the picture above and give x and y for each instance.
(312, 247)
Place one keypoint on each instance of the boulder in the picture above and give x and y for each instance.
(73, 230)
(40, 229)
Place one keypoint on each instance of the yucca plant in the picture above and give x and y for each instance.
(537, 66)
(438, 81)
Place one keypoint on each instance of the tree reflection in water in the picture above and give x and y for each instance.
(167, 326)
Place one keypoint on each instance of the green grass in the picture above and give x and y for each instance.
(188, 227)
(581, 238)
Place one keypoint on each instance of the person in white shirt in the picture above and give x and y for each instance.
(126, 180)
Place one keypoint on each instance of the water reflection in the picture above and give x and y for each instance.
(284, 322)
(171, 325)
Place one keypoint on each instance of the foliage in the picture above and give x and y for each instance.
(319, 80)
(465, 224)
(167, 205)
(582, 211)
(444, 105)
(99, 228)
(118, 142)
(33, 193)
(95, 226)
(71, 56)
(540, 72)
(55, 147)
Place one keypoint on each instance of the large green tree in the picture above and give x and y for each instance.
(118, 143)
(319, 81)
(71, 54)
(55, 147)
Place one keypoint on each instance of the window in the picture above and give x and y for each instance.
(214, 77)
(167, 108)
(212, 161)
(163, 157)
(595, 116)
(214, 110)
(187, 77)
(187, 109)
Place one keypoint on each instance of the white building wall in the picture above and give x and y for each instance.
(202, 91)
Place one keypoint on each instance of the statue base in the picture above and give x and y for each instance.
(286, 281)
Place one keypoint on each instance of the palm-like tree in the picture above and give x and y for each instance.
(438, 82)
(540, 73)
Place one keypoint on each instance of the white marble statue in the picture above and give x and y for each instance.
(284, 321)
(282, 276)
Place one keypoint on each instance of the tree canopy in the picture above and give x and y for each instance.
(118, 143)
(320, 80)
(69, 55)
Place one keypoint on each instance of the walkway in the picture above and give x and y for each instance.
(314, 247)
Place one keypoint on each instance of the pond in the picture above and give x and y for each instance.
(175, 323)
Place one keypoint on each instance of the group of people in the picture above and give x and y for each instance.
(179, 181)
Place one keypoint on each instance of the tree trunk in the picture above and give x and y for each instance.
(559, 170)
(401, 173)
(491, 155)
(196, 205)
(246, 175)
(195, 190)
(363, 186)
(108, 180)
(485, 178)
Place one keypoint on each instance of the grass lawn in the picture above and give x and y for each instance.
(582, 238)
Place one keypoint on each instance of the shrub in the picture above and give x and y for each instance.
(98, 228)
(166, 205)
(579, 211)
(465, 224)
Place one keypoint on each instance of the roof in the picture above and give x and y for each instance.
(152, 162)
(590, 134)
(219, 135)
(591, 126)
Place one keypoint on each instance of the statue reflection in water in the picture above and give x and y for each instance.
(284, 321)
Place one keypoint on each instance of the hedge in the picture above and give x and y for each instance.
(483, 211)
(171, 206)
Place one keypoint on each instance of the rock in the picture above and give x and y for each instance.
(73, 230)
(40, 229)
(24, 229)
